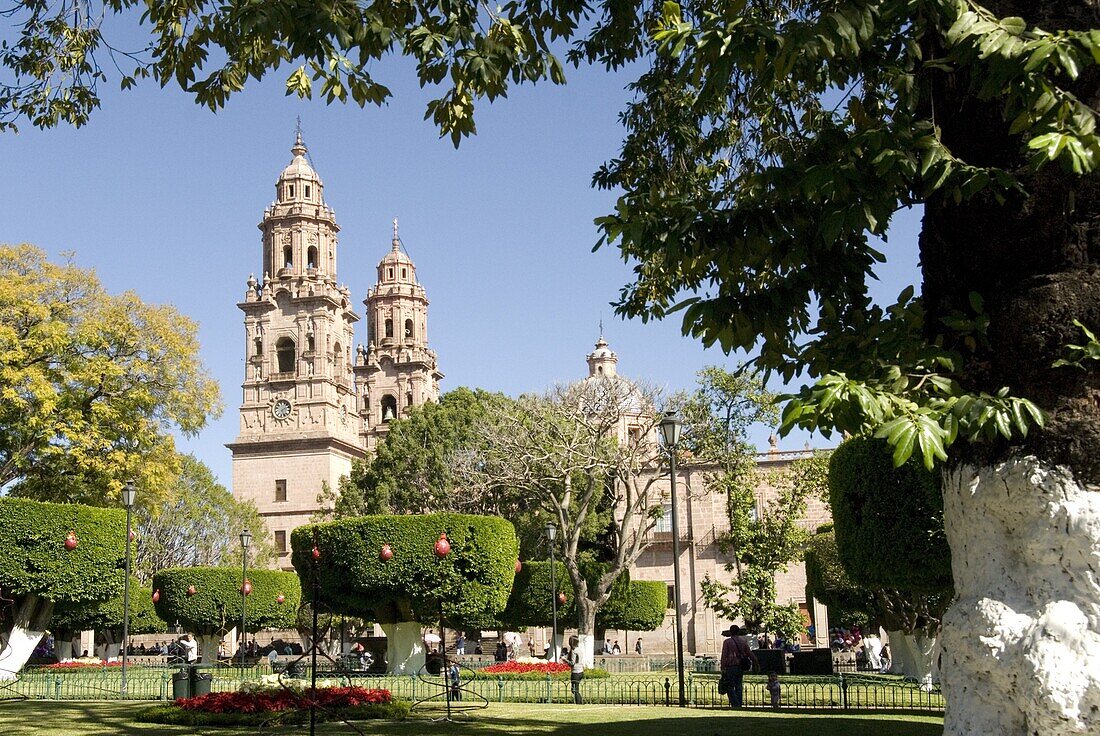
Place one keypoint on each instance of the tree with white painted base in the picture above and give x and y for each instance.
(49, 554)
(407, 572)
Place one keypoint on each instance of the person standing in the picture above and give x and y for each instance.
(576, 671)
(460, 644)
(190, 648)
(638, 646)
(737, 659)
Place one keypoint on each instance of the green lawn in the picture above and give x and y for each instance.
(509, 719)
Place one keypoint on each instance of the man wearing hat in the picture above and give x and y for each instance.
(737, 659)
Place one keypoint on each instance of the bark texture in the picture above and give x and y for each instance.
(1021, 643)
(28, 628)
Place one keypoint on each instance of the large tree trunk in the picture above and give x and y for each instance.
(208, 648)
(28, 628)
(404, 647)
(586, 628)
(914, 655)
(1021, 643)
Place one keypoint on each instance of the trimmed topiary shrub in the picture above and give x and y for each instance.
(849, 604)
(467, 584)
(530, 604)
(108, 614)
(640, 606)
(216, 601)
(53, 553)
(888, 521)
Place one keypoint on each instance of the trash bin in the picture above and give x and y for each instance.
(181, 684)
(200, 682)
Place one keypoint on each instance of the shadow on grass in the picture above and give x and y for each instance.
(103, 719)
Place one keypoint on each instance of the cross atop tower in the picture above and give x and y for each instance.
(396, 239)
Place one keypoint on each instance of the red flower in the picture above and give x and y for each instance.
(270, 701)
(519, 668)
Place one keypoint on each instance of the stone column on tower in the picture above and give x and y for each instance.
(396, 370)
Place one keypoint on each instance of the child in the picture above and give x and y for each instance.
(773, 688)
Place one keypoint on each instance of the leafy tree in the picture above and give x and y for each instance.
(583, 456)
(849, 604)
(467, 586)
(206, 601)
(106, 616)
(53, 554)
(411, 471)
(92, 383)
(197, 524)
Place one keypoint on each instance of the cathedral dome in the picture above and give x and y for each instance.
(299, 169)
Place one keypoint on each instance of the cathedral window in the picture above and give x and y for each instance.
(389, 328)
(310, 346)
(291, 194)
(307, 191)
(258, 345)
(389, 408)
(280, 542)
(408, 328)
(338, 359)
(311, 257)
(288, 256)
(391, 273)
(409, 399)
(404, 273)
(280, 489)
(284, 350)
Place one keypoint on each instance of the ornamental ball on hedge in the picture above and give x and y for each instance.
(469, 584)
(34, 559)
(109, 614)
(888, 521)
(217, 598)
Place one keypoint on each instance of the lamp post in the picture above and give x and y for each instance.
(246, 539)
(551, 535)
(670, 432)
(129, 491)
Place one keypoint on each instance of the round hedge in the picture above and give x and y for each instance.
(108, 614)
(640, 607)
(218, 589)
(34, 560)
(530, 601)
(827, 582)
(888, 521)
(469, 585)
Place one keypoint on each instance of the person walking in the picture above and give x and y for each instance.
(576, 672)
(737, 659)
(638, 646)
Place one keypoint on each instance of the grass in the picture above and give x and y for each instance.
(64, 718)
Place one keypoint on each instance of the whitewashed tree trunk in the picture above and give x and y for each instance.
(208, 648)
(1021, 642)
(28, 628)
(914, 655)
(404, 647)
(64, 649)
(872, 646)
(586, 644)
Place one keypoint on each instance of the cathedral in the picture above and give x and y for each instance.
(311, 402)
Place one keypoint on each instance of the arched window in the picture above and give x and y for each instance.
(389, 328)
(338, 356)
(408, 329)
(258, 344)
(389, 408)
(284, 350)
(311, 257)
(307, 191)
(409, 399)
(288, 257)
(309, 344)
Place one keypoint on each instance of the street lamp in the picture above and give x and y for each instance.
(246, 539)
(129, 491)
(670, 432)
(551, 535)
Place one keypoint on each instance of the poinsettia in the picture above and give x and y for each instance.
(279, 699)
(522, 668)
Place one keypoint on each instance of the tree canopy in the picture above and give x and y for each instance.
(108, 614)
(92, 384)
(205, 600)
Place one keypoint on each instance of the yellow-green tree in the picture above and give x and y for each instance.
(91, 384)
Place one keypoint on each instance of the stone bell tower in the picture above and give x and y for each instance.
(397, 370)
(298, 423)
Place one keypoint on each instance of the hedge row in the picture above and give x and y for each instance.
(469, 585)
(216, 601)
(641, 607)
(34, 559)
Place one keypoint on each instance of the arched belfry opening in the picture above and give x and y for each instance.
(284, 351)
(389, 408)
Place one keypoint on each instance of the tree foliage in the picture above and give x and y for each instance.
(640, 606)
(469, 585)
(197, 523)
(216, 603)
(583, 457)
(92, 384)
(35, 561)
(412, 468)
(827, 582)
(108, 614)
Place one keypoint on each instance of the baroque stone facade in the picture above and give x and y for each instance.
(311, 406)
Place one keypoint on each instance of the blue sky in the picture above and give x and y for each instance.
(162, 197)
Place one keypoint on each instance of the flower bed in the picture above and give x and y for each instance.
(276, 706)
(533, 671)
(76, 666)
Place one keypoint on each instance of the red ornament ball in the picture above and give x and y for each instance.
(280, 599)
(190, 590)
(386, 554)
(316, 553)
(133, 535)
(519, 566)
(156, 595)
(70, 541)
(246, 588)
(442, 546)
(561, 598)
